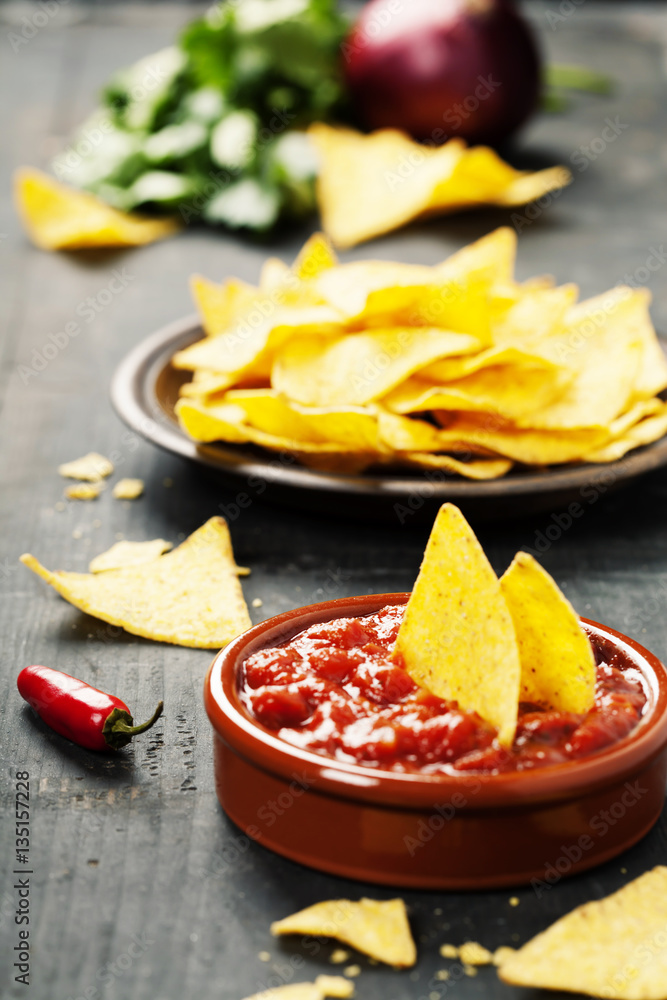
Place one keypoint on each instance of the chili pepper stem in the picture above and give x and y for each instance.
(118, 728)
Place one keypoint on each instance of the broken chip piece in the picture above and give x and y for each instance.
(123, 554)
(324, 986)
(378, 929)
(58, 217)
(190, 596)
(91, 468)
(614, 947)
(128, 489)
(83, 491)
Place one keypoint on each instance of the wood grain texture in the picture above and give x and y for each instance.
(142, 889)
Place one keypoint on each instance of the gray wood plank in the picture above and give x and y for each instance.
(136, 847)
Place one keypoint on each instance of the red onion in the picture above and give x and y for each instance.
(438, 68)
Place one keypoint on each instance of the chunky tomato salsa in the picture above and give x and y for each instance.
(334, 689)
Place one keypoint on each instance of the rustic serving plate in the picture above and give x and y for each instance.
(145, 389)
(468, 831)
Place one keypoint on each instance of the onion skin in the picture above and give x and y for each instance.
(440, 68)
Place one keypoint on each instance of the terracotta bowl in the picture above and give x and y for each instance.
(432, 831)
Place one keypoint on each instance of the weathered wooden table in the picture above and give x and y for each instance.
(140, 887)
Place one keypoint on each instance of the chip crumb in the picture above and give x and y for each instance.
(257, 602)
(91, 468)
(82, 491)
(442, 974)
(437, 912)
(128, 489)
(243, 571)
(97, 523)
(264, 956)
(501, 954)
(351, 971)
(60, 505)
(335, 986)
(514, 901)
(449, 951)
(434, 995)
(473, 953)
(77, 533)
(119, 536)
(339, 956)
(167, 481)
(470, 970)
(624, 871)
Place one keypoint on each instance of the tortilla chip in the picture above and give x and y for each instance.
(644, 432)
(220, 305)
(452, 369)
(457, 637)
(248, 346)
(473, 953)
(316, 255)
(91, 468)
(60, 218)
(510, 392)
(372, 184)
(492, 255)
(128, 489)
(378, 929)
(335, 986)
(83, 491)
(613, 947)
(557, 661)
(189, 597)
(359, 367)
(123, 554)
(532, 447)
(480, 470)
(273, 274)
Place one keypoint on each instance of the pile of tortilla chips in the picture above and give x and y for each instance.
(488, 643)
(456, 366)
(371, 184)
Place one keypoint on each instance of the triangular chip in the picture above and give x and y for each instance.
(221, 305)
(60, 218)
(557, 661)
(614, 947)
(378, 929)
(190, 597)
(315, 256)
(457, 637)
(90, 469)
(371, 184)
(124, 553)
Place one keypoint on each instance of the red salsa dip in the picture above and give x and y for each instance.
(334, 689)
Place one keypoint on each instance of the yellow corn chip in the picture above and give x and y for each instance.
(508, 391)
(359, 367)
(190, 597)
(124, 554)
(335, 986)
(533, 447)
(316, 255)
(221, 305)
(457, 637)
(378, 929)
(557, 661)
(482, 469)
(273, 274)
(639, 434)
(83, 491)
(452, 369)
(473, 953)
(248, 346)
(614, 947)
(371, 184)
(492, 255)
(128, 489)
(60, 218)
(91, 468)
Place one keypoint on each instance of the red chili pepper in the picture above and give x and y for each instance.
(89, 717)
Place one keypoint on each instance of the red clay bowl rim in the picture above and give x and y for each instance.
(259, 745)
